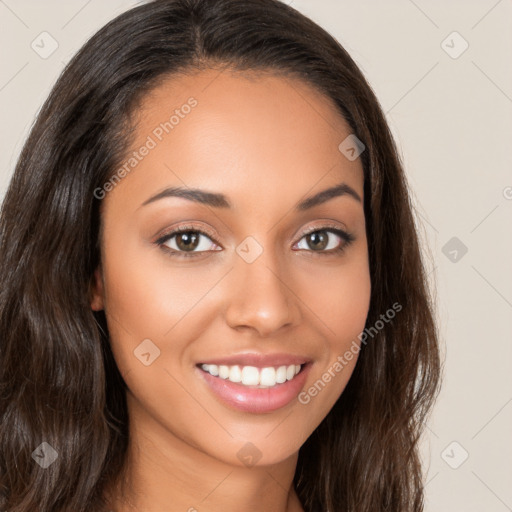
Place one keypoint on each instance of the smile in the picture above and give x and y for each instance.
(252, 389)
(252, 376)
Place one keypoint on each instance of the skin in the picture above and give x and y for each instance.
(266, 142)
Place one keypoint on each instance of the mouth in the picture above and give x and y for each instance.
(253, 376)
(254, 389)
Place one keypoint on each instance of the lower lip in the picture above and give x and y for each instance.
(256, 400)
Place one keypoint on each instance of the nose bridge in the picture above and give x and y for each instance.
(260, 297)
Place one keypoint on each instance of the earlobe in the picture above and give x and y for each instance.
(97, 302)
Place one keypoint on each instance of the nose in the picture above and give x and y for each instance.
(261, 297)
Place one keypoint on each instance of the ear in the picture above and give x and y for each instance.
(97, 291)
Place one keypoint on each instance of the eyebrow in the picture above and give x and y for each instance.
(217, 200)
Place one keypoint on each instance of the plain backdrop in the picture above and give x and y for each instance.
(442, 73)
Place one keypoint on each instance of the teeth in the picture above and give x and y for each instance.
(252, 376)
(223, 371)
(235, 373)
(267, 377)
(281, 374)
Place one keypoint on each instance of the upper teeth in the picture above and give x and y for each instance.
(252, 376)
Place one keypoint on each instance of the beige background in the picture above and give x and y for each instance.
(452, 118)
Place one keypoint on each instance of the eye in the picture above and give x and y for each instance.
(323, 241)
(186, 241)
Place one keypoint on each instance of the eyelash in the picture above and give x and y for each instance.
(344, 235)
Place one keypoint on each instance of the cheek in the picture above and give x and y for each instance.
(341, 303)
(351, 305)
(148, 298)
(339, 297)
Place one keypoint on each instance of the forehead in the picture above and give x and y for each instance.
(241, 132)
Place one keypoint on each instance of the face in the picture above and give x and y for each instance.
(252, 272)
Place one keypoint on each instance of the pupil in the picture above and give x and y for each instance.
(319, 240)
(187, 240)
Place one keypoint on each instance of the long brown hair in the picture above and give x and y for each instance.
(59, 383)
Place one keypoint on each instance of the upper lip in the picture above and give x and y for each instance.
(258, 360)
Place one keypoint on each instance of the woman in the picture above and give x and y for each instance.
(213, 296)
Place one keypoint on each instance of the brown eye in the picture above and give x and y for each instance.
(323, 242)
(318, 240)
(187, 241)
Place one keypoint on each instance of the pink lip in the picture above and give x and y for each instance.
(255, 400)
(258, 360)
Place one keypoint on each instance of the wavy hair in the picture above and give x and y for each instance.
(59, 383)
